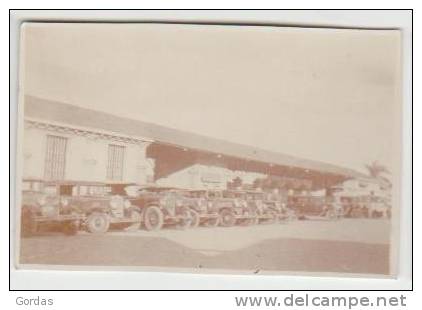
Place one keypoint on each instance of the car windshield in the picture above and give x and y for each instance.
(91, 190)
(255, 196)
(156, 189)
(50, 189)
(214, 195)
(132, 190)
(228, 194)
(195, 194)
(170, 194)
(32, 186)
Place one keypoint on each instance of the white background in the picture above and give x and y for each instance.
(208, 300)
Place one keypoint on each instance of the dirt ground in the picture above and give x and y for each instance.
(345, 246)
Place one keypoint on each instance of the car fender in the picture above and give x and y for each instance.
(96, 210)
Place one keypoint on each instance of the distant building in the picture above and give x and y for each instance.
(364, 187)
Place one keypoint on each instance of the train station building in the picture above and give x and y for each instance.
(66, 142)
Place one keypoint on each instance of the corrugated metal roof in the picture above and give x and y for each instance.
(73, 115)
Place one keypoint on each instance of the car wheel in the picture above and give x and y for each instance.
(227, 218)
(292, 216)
(153, 218)
(97, 223)
(195, 218)
(273, 219)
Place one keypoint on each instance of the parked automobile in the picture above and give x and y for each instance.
(101, 208)
(163, 206)
(263, 212)
(205, 212)
(313, 206)
(365, 206)
(278, 203)
(43, 206)
(335, 206)
(232, 207)
(348, 206)
(379, 207)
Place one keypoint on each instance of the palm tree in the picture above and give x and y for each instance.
(376, 170)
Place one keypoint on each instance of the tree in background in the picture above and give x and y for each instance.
(376, 170)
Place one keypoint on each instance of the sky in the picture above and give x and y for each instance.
(324, 94)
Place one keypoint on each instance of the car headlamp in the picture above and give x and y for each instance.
(127, 204)
(116, 202)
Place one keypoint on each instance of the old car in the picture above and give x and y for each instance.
(264, 212)
(163, 206)
(231, 207)
(379, 207)
(307, 206)
(355, 207)
(278, 202)
(335, 206)
(101, 208)
(44, 206)
(205, 212)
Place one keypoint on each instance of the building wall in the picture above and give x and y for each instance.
(200, 176)
(86, 156)
(33, 153)
(357, 187)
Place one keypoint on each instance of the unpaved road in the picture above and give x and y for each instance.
(347, 246)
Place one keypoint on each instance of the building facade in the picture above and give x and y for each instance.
(363, 187)
(54, 151)
(69, 142)
(200, 176)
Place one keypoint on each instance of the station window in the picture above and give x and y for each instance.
(55, 157)
(115, 162)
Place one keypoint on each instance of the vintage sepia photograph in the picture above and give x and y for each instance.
(209, 149)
